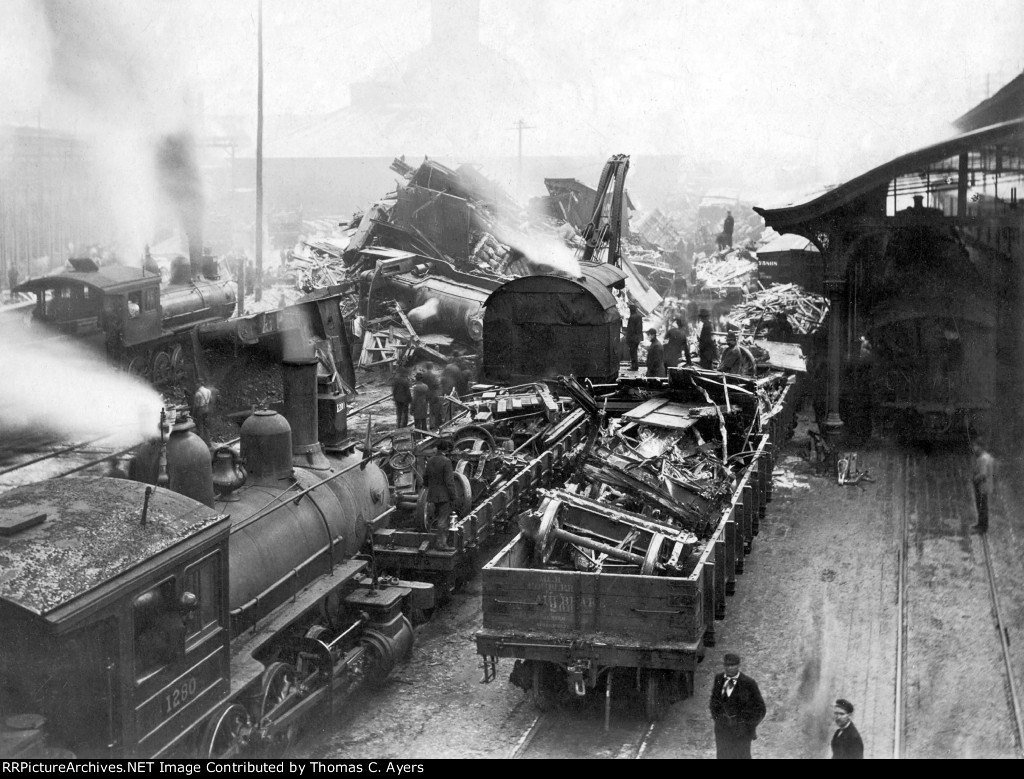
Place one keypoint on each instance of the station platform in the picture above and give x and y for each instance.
(816, 614)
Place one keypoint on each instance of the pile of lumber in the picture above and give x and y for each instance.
(733, 272)
(805, 311)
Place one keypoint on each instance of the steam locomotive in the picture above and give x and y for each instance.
(126, 313)
(931, 332)
(186, 613)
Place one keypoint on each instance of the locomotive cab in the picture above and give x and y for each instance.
(90, 301)
(116, 641)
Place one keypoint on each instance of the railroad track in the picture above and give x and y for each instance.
(548, 733)
(935, 513)
(56, 460)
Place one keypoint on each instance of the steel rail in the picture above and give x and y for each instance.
(901, 610)
(1004, 642)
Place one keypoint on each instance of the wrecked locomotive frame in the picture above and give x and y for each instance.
(616, 577)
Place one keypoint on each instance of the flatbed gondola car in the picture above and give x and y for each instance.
(508, 442)
(644, 621)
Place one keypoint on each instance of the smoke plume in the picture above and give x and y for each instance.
(106, 72)
(61, 389)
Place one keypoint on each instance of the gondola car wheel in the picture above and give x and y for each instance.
(227, 733)
(654, 698)
(538, 695)
(279, 682)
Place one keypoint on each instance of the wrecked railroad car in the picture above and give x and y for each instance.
(582, 608)
(538, 327)
(507, 443)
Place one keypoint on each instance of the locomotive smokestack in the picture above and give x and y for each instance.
(179, 174)
(300, 409)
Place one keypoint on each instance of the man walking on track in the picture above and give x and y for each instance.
(984, 467)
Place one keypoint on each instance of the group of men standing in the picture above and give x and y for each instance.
(737, 708)
(424, 394)
(736, 358)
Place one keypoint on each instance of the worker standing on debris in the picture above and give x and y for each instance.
(202, 407)
(737, 358)
(634, 335)
(401, 395)
(439, 480)
(677, 343)
(451, 379)
(420, 404)
(707, 348)
(655, 355)
(727, 228)
(433, 382)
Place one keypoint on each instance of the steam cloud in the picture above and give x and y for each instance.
(62, 389)
(105, 71)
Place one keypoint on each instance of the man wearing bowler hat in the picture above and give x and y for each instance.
(737, 708)
(846, 741)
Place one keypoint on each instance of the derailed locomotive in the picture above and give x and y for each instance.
(127, 314)
(147, 621)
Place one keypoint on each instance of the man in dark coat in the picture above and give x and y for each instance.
(419, 404)
(677, 343)
(707, 348)
(737, 708)
(634, 335)
(737, 358)
(655, 355)
(846, 741)
(439, 480)
(727, 228)
(401, 395)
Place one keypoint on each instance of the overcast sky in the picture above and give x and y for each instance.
(839, 85)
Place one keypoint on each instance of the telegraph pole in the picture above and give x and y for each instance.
(259, 158)
(520, 126)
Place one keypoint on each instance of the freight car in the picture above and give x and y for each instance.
(153, 621)
(591, 597)
(127, 314)
(508, 442)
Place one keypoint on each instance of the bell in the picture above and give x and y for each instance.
(228, 473)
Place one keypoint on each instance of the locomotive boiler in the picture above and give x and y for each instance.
(439, 298)
(208, 614)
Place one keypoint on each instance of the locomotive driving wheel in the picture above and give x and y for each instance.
(179, 370)
(137, 366)
(227, 733)
(162, 371)
(280, 683)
